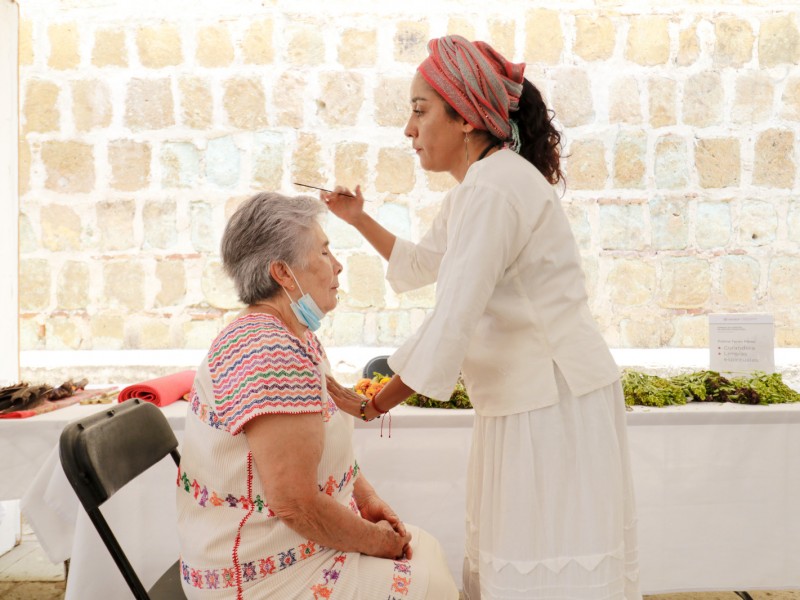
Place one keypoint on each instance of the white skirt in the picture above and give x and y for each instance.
(550, 505)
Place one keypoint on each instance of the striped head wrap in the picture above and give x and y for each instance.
(475, 79)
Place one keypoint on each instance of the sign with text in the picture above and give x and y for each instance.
(741, 343)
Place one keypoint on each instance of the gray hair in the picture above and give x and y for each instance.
(267, 227)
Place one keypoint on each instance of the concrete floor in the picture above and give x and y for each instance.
(27, 574)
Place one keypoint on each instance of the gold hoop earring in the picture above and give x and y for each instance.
(466, 147)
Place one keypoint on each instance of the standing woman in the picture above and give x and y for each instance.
(550, 510)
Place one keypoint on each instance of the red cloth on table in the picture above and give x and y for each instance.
(162, 390)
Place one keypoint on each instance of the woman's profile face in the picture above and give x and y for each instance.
(320, 277)
(437, 138)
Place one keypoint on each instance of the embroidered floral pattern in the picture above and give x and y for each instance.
(252, 570)
(401, 579)
(324, 589)
(206, 497)
(332, 485)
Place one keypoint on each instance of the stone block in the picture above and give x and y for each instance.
(245, 105)
(733, 45)
(648, 40)
(171, 276)
(268, 153)
(74, 284)
(645, 333)
(202, 227)
(159, 46)
(440, 182)
(155, 333)
(109, 48)
(365, 281)
(200, 330)
(630, 151)
(289, 112)
(572, 97)
(350, 164)
(257, 43)
(784, 280)
(123, 284)
(622, 226)
(196, 102)
(410, 41)
(115, 224)
(718, 162)
(690, 332)
(34, 284)
(348, 328)
(223, 162)
(64, 46)
(91, 104)
(61, 228)
(662, 101)
(754, 98)
(394, 327)
(703, 99)
(358, 48)
(595, 37)
(712, 224)
(774, 165)
(341, 98)
(688, 45)
(625, 102)
(779, 41)
(793, 222)
(790, 100)
(130, 164)
(669, 222)
(757, 224)
(544, 37)
(501, 37)
(65, 332)
(306, 162)
(306, 47)
(107, 330)
(159, 224)
(395, 171)
(218, 289)
(671, 165)
(26, 52)
(685, 283)
(69, 166)
(149, 104)
(396, 218)
(32, 332)
(180, 165)
(739, 280)
(392, 101)
(28, 242)
(40, 110)
(631, 282)
(578, 216)
(586, 165)
(458, 25)
(214, 47)
(24, 170)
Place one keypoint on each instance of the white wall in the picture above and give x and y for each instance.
(9, 200)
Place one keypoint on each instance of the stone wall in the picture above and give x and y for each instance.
(143, 125)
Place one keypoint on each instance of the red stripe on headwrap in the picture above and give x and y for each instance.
(475, 79)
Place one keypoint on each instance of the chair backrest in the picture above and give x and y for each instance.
(103, 452)
(377, 364)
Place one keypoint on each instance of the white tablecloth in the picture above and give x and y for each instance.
(718, 495)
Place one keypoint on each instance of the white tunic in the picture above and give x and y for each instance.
(550, 506)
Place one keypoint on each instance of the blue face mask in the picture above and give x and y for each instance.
(305, 309)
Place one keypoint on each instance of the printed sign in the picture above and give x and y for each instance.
(741, 344)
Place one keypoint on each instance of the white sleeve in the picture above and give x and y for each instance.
(412, 266)
(485, 234)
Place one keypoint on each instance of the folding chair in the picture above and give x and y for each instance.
(377, 364)
(103, 452)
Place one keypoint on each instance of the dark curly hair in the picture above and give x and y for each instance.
(541, 141)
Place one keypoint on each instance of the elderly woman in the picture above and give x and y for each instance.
(271, 501)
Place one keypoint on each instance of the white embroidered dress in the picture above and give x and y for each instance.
(232, 544)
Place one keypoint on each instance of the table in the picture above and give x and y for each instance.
(717, 486)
